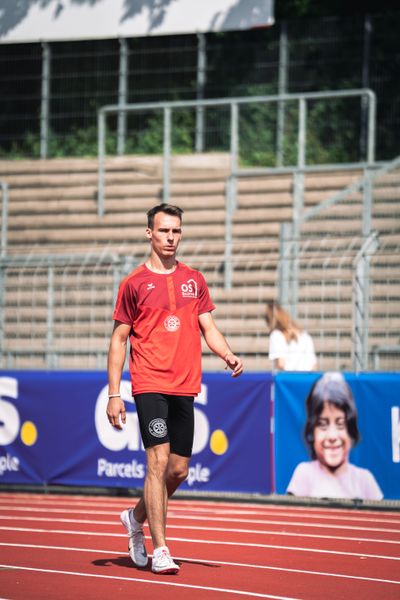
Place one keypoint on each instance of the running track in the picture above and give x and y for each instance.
(73, 547)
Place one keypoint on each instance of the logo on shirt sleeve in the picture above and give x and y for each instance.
(172, 323)
(189, 289)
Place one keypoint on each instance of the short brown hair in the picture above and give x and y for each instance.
(169, 209)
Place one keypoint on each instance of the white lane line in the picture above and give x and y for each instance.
(173, 515)
(199, 528)
(286, 523)
(151, 582)
(229, 502)
(211, 562)
(215, 542)
(193, 506)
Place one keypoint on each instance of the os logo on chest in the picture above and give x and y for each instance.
(189, 289)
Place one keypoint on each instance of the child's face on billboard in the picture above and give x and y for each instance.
(332, 442)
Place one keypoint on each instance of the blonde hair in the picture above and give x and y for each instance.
(277, 318)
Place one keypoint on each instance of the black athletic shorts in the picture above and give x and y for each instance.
(166, 418)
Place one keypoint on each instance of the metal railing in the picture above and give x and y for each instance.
(291, 239)
(234, 104)
(360, 301)
(4, 218)
(55, 295)
(56, 311)
(235, 170)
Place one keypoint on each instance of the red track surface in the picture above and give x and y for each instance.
(73, 547)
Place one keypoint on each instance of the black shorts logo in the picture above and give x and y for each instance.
(158, 428)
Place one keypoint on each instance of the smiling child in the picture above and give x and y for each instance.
(331, 431)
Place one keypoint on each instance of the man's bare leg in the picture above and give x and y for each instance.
(155, 492)
(177, 470)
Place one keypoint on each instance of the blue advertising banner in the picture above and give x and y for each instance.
(54, 430)
(377, 399)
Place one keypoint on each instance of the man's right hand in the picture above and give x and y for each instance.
(115, 408)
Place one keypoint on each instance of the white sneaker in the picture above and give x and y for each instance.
(162, 562)
(137, 549)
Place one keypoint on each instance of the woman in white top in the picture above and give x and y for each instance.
(290, 347)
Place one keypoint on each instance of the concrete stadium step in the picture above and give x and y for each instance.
(258, 326)
(177, 189)
(51, 194)
(266, 200)
(258, 229)
(151, 164)
(102, 328)
(247, 344)
(127, 177)
(264, 184)
(87, 230)
(383, 209)
(335, 244)
(95, 313)
(103, 234)
(230, 317)
(254, 215)
(349, 226)
(262, 363)
(39, 180)
(194, 252)
(110, 219)
(230, 314)
(98, 360)
(240, 295)
(53, 205)
(328, 180)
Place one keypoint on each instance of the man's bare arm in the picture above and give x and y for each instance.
(115, 365)
(218, 344)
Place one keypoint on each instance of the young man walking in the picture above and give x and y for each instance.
(162, 307)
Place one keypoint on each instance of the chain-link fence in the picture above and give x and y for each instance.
(56, 311)
(342, 256)
(51, 92)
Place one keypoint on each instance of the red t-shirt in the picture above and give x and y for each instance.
(163, 311)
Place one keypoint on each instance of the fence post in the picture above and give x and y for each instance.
(117, 278)
(285, 236)
(167, 155)
(4, 218)
(371, 127)
(367, 203)
(360, 302)
(365, 84)
(230, 196)
(230, 202)
(2, 307)
(101, 133)
(3, 256)
(301, 150)
(298, 203)
(282, 88)
(234, 142)
(45, 101)
(50, 358)
(201, 82)
(122, 95)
